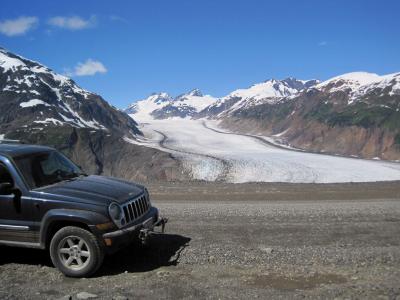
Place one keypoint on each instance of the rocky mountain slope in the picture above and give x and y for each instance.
(39, 106)
(356, 114)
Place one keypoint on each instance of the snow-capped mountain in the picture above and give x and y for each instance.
(271, 91)
(359, 84)
(40, 106)
(194, 99)
(163, 106)
(144, 108)
(352, 114)
(33, 97)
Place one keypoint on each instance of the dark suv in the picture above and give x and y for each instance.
(47, 202)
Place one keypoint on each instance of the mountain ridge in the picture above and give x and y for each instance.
(195, 104)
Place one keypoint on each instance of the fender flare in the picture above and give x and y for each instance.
(86, 217)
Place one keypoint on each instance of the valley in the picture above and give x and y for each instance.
(210, 154)
(257, 134)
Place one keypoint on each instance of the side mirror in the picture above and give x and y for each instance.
(6, 188)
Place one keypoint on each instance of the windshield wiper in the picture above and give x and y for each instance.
(53, 182)
(74, 176)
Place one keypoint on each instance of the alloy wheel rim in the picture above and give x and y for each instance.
(74, 253)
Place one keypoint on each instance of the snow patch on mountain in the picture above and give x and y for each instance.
(49, 120)
(10, 63)
(33, 102)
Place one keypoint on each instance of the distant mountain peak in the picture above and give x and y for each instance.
(160, 97)
(192, 93)
(360, 78)
(160, 94)
(359, 84)
(195, 92)
(298, 84)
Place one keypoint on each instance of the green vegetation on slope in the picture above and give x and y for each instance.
(360, 114)
(397, 139)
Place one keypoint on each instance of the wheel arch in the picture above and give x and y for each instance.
(56, 219)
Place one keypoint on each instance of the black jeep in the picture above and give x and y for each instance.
(47, 202)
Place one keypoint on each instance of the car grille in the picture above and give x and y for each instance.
(136, 208)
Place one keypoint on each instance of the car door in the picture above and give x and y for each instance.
(15, 212)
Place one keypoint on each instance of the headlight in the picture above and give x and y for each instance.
(115, 212)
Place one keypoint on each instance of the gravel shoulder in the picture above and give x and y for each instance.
(242, 241)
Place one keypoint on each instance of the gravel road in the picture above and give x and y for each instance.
(245, 241)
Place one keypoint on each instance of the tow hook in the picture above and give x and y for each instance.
(145, 233)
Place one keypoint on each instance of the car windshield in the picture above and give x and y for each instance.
(47, 168)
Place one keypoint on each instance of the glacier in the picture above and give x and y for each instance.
(213, 155)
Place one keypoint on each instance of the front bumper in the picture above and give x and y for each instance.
(141, 229)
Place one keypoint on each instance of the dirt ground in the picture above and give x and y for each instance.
(241, 241)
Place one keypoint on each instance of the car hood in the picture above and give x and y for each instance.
(96, 189)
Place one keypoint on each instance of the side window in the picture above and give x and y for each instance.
(5, 175)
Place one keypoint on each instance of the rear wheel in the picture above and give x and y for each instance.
(76, 252)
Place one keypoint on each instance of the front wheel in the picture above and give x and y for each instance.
(76, 252)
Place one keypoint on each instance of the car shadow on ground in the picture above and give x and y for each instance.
(162, 250)
(24, 256)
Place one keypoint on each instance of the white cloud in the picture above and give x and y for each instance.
(118, 19)
(73, 23)
(19, 26)
(89, 68)
(323, 43)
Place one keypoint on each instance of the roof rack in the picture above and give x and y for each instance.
(8, 141)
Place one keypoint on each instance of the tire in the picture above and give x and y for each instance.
(76, 252)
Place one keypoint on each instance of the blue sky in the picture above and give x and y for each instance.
(125, 50)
